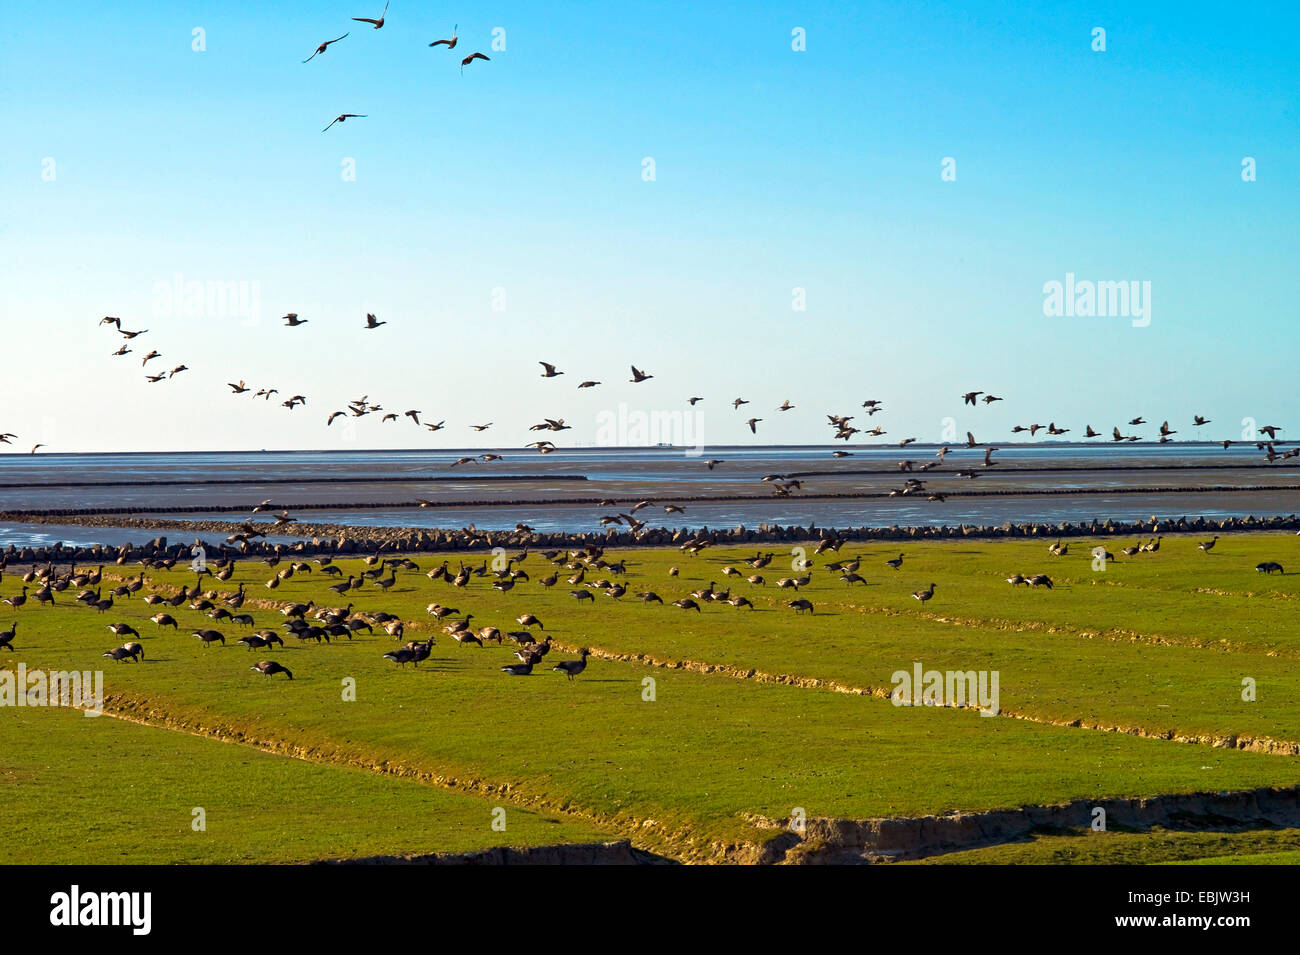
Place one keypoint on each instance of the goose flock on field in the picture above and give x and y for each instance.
(589, 572)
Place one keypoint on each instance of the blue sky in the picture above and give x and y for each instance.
(775, 169)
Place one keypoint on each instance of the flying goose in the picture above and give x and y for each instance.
(372, 322)
(344, 117)
(549, 370)
(639, 376)
(450, 44)
(322, 47)
(470, 59)
(377, 23)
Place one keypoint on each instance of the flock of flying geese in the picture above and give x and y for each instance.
(378, 23)
(840, 424)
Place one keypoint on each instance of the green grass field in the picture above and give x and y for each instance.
(1098, 677)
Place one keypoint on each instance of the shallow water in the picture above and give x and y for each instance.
(321, 486)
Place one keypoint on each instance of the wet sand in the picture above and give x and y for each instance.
(569, 491)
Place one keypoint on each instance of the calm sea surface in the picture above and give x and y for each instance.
(562, 490)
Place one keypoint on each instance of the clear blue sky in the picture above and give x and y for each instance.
(775, 169)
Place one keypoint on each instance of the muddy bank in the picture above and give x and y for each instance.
(614, 503)
(841, 841)
(347, 540)
(593, 853)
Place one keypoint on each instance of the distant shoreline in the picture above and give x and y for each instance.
(634, 449)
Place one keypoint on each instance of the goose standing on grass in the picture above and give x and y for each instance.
(572, 668)
(1207, 546)
(896, 563)
(210, 636)
(401, 657)
(801, 605)
(271, 668)
(518, 669)
(7, 637)
(924, 595)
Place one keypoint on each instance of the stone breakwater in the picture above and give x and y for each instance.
(345, 540)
